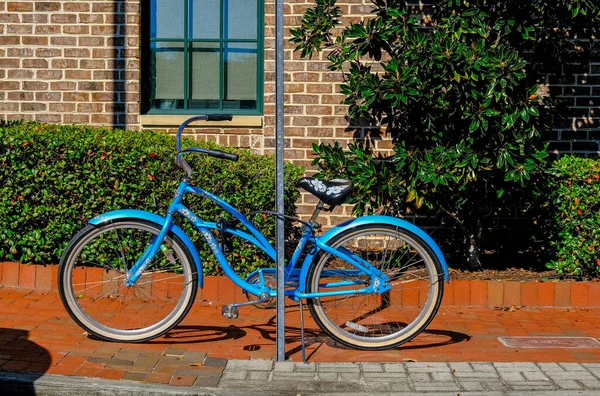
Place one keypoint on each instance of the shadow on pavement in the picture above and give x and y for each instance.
(20, 355)
(429, 338)
(200, 334)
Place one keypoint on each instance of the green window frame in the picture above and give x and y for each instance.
(181, 51)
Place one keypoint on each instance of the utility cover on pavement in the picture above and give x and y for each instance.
(549, 342)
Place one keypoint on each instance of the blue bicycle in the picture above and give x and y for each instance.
(373, 282)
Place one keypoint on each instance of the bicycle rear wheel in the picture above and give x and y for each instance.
(372, 321)
(91, 281)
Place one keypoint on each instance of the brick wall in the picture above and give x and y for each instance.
(70, 61)
(79, 62)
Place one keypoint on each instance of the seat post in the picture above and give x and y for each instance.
(315, 215)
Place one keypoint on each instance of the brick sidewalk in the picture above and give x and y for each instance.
(37, 336)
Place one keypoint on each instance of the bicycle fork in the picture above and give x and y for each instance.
(144, 261)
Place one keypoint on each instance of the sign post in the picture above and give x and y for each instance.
(279, 180)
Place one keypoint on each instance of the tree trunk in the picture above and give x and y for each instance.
(475, 245)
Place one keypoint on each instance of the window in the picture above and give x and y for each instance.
(205, 55)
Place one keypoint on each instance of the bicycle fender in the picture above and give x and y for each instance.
(388, 220)
(158, 220)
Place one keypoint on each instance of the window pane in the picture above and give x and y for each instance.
(240, 19)
(166, 19)
(240, 72)
(167, 75)
(204, 19)
(204, 62)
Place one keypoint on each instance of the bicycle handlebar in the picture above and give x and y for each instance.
(213, 153)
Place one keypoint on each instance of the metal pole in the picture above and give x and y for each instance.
(279, 230)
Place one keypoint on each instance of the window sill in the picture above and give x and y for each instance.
(241, 121)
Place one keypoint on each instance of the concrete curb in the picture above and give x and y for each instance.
(51, 385)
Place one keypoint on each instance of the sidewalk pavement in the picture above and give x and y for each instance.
(42, 350)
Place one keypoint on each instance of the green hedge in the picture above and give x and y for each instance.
(53, 178)
(574, 203)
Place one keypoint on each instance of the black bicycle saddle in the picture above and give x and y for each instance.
(332, 192)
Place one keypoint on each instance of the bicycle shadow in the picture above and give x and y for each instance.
(200, 334)
(429, 338)
(22, 362)
(318, 337)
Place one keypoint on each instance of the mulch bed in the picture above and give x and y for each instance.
(509, 274)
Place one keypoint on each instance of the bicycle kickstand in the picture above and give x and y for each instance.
(302, 331)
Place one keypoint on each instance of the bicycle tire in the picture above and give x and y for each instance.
(349, 324)
(95, 296)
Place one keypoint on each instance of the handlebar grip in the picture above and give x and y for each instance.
(223, 155)
(219, 117)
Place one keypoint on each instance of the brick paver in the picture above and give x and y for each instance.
(37, 335)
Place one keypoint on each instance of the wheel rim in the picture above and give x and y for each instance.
(390, 318)
(98, 297)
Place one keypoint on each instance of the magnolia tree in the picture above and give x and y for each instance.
(455, 100)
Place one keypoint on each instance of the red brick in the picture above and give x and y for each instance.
(6, 106)
(546, 294)
(43, 277)
(529, 294)
(9, 63)
(20, 74)
(35, 86)
(37, 107)
(579, 294)
(63, 86)
(10, 40)
(91, 41)
(512, 294)
(9, 85)
(462, 293)
(495, 295)
(562, 294)
(10, 273)
(63, 41)
(19, 29)
(76, 29)
(225, 289)
(27, 276)
(50, 118)
(34, 18)
(54, 278)
(210, 291)
(76, 97)
(158, 378)
(77, 6)
(61, 107)
(410, 295)
(35, 40)
(48, 30)
(49, 74)
(20, 96)
(48, 96)
(112, 374)
(183, 380)
(479, 293)
(20, 6)
(47, 6)
(448, 298)
(594, 294)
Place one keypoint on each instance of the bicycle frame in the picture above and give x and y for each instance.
(296, 276)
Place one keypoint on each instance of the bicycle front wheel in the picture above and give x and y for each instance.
(376, 321)
(91, 283)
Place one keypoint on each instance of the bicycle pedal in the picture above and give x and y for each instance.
(230, 312)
